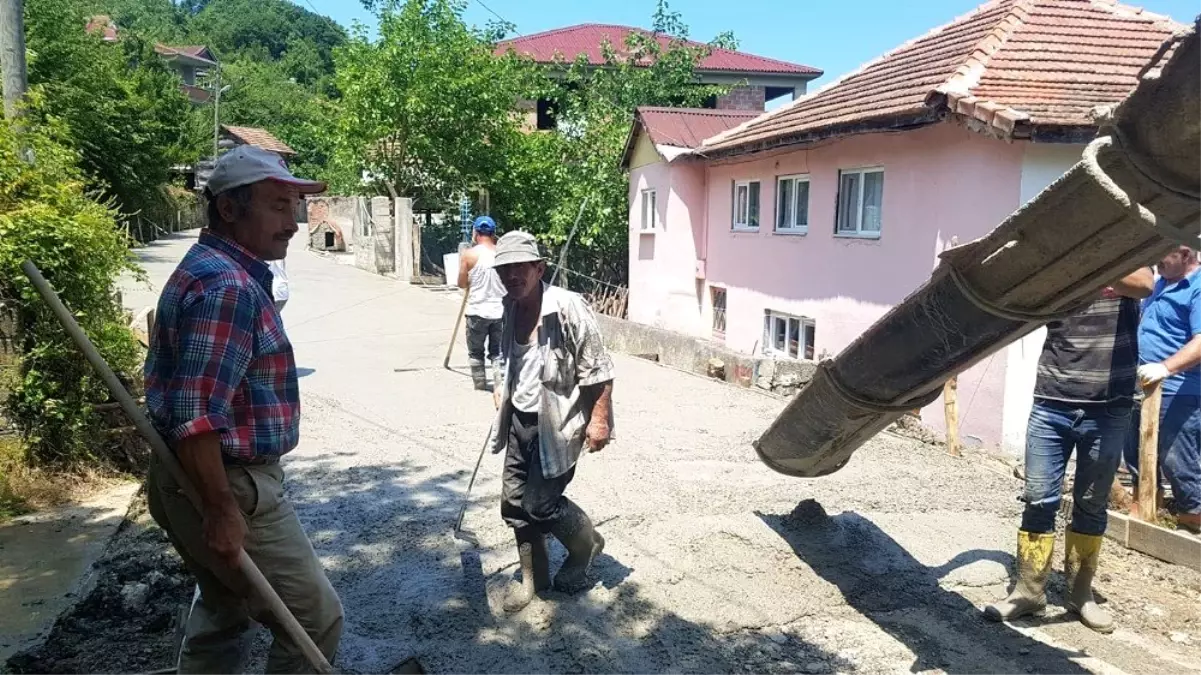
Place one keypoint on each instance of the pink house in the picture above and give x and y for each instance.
(789, 233)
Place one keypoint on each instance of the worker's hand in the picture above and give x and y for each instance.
(597, 434)
(1152, 373)
(224, 532)
(496, 399)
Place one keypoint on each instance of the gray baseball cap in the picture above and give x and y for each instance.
(248, 164)
(516, 247)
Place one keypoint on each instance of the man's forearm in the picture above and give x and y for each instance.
(200, 457)
(601, 397)
(1137, 285)
(1188, 357)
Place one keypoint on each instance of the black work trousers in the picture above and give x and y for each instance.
(528, 498)
(481, 332)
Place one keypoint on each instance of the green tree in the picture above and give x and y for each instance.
(155, 19)
(119, 105)
(274, 30)
(262, 94)
(47, 217)
(546, 180)
(425, 106)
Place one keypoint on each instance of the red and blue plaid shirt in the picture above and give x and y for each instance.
(219, 358)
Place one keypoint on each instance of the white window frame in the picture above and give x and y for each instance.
(793, 227)
(857, 219)
(650, 216)
(805, 326)
(745, 224)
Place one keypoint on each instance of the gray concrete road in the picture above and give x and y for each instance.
(713, 563)
(46, 561)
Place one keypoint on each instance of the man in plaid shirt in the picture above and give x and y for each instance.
(221, 387)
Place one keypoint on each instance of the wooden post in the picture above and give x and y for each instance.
(454, 334)
(950, 394)
(950, 402)
(1148, 454)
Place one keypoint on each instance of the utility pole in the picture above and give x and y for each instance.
(217, 115)
(12, 55)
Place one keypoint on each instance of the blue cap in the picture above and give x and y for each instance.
(485, 225)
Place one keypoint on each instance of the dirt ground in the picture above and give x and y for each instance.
(713, 562)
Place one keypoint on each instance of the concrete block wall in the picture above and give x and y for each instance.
(364, 241)
(743, 98)
(783, 377)
(404, 240)
(383, 239)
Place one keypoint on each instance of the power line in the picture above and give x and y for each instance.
(503, 19)
(333, 23)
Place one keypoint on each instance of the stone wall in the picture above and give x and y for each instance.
(743, 98)
(783, 377)
(378, 230)
(338, 212)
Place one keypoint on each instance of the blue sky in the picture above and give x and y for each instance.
(834, 35)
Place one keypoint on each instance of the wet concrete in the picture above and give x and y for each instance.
(713, 564)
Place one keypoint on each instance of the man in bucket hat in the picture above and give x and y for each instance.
(221, 387)
(557, 385)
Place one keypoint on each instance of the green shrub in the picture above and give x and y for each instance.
(46, 217)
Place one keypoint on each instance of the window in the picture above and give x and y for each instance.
(650, 214)
(719, 310)
(546, 118)
(746, 205)
(792, 204)
(786, 336)
(860, 202)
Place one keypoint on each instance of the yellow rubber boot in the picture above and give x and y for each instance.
(1029, 595)
(1079, 566)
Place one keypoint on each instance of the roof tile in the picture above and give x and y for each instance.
(1044, 62)
(259, 138)
(688, 127)
(588, 38)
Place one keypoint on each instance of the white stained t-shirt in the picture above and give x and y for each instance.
(527, 394)
(279, 280)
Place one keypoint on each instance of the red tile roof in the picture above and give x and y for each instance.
(1008, 62)
(102, 25)
(568, 43)
(682, 127)
(196, 94)
(259, 138)
(191, 51)
(688, 127)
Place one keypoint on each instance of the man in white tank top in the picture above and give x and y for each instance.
(485, 296)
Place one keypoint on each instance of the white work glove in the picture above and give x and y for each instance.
(1152, 373)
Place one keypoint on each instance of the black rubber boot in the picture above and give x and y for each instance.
(479, 375)
(535, 569)
(583, 543)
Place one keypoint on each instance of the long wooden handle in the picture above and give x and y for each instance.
(1148, 453)
(257, 581)
(455, 334)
